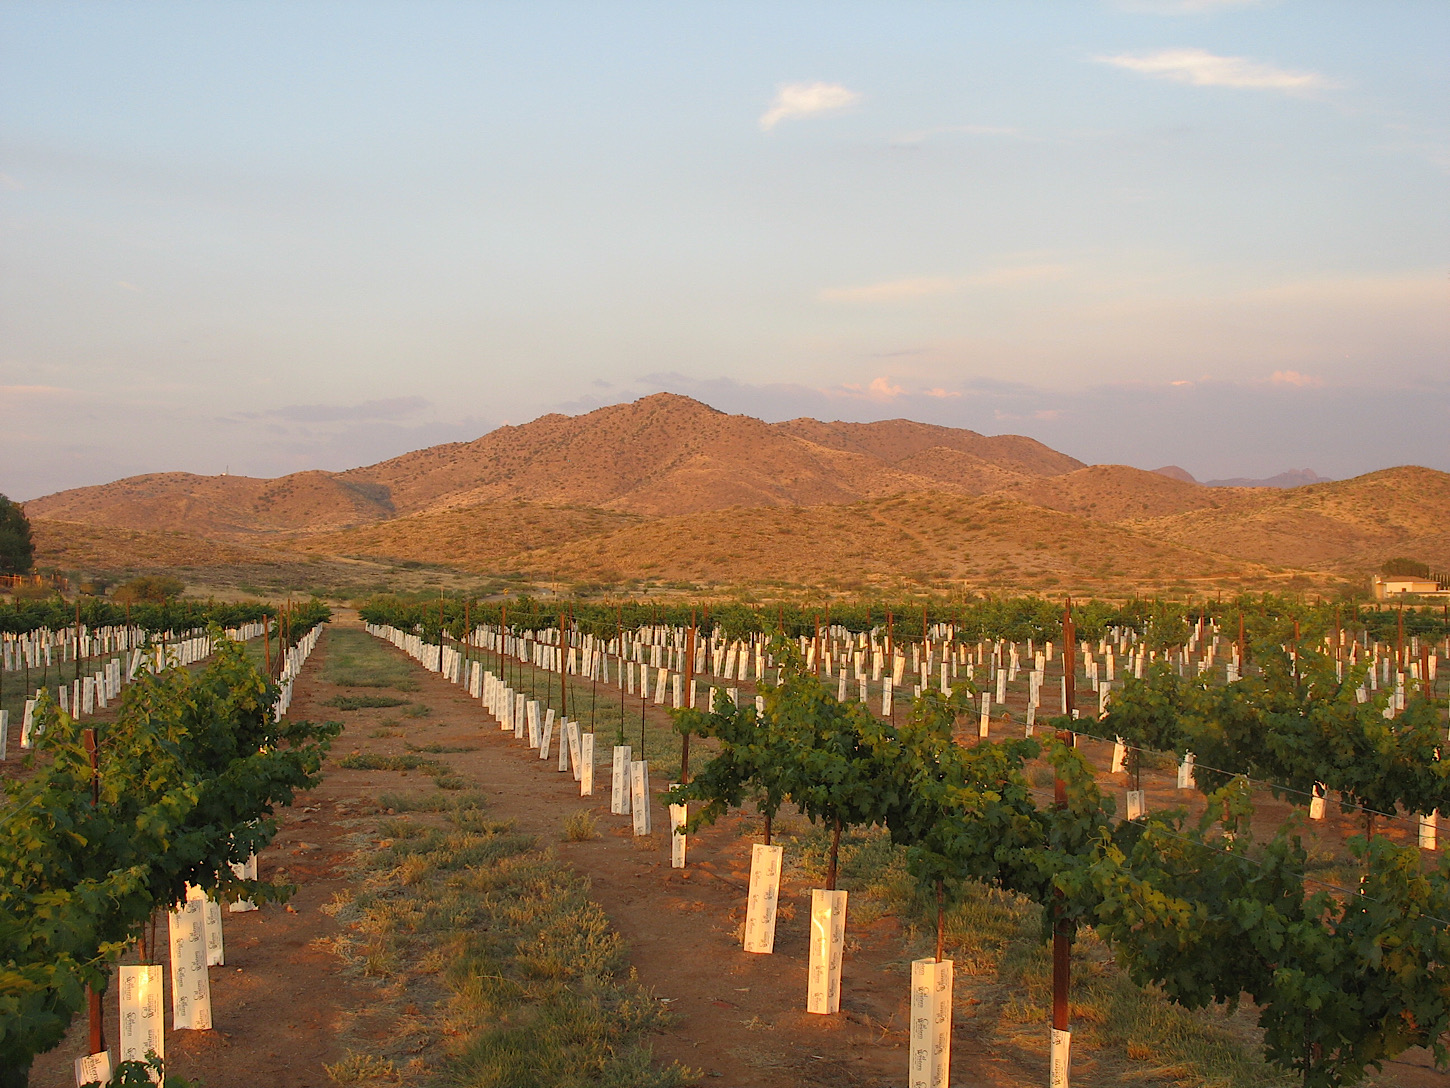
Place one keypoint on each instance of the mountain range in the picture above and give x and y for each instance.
(669, 489)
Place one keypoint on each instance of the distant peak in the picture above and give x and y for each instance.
(1295, 477)
(676, 400)
(1173, 472)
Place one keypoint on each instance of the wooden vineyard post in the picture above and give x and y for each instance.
(1060, 1061)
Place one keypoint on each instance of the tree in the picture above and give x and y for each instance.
(17, 549)
(153, 588)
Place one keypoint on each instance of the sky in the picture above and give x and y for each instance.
(261, 238)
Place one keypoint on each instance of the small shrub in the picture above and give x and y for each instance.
(581, 826)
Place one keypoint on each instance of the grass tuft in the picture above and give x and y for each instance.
(581, 826)
(371, 761)
(364, 702)
(361, 1069)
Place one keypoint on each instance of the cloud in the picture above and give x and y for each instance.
(1010, 277)
(393, 408)
(1204, 69)
(883, 389)
(806, 100)
(942, 394)
(921, 286)
(1293, 377)
(35, 391)
(7, 182)
(890, 291)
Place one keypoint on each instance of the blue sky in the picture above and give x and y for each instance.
(268, 237)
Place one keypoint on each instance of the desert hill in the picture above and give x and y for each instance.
(918, 538)
(218, 505)
(661, 455)
(1117, 493)
(73, 546)
(667, 488)
(473, 537)
(1347, 526)
(897, 440)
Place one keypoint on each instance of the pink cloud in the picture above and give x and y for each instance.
(1293, 377)
(882, 389)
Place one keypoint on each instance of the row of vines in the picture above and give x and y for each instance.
(1208, 907)
(116, 821)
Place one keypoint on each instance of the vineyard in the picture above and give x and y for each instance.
(1259, 725)
(160, 806)
(1242, 802)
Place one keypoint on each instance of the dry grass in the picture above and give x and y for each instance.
(581, 826)
(493, 966)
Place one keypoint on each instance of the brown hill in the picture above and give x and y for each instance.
(895, 440)
(1350, 526)
(663, 454)
(669, 488)
(1116, 493)
(1173, 472)
(73, 546)
(474, 537)
(219, 505)
(928, 538)
(667, 454)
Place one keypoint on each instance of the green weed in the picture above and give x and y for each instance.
(364, 702)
